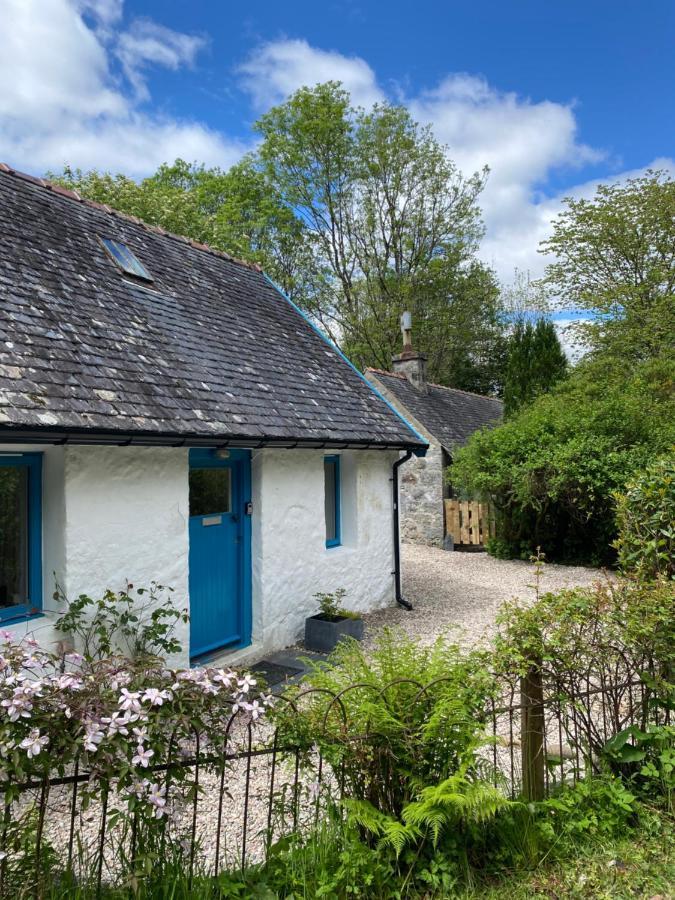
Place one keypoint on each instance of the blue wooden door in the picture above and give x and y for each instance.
(219, 551)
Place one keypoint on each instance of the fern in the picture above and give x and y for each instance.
(454, 802)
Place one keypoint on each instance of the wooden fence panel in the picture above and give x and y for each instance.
(469, 522)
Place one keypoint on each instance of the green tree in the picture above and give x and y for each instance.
(358, 216)
(552, 470)
(615, 259)
(535, 362)
(393, 225)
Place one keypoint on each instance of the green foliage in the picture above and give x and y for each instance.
(579, 631)
(609, 635)
(646, 521)
(411, 716)
(647, 758)
(535, 362)
(330, 605)
(392, 224)
(614, 259)
(594, 807)
(127, 622)
(403, 738)
(552, 471)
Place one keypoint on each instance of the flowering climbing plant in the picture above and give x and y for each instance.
(127, 723)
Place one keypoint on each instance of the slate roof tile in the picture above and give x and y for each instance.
(210, 349)
(450, 415)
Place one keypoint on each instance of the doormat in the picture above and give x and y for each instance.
(273, 673)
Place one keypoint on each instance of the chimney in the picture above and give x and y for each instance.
(410, 363)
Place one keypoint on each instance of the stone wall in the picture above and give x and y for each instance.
(421, 493)
(420, 483)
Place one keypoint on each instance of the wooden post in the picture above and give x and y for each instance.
(532, 725)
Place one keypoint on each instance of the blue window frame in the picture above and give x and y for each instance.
(20, 535)
(331, 476)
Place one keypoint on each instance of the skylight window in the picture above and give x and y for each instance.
(125, 259)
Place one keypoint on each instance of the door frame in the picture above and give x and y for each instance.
(206, 458)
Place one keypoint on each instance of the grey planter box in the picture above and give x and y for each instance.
(323, 634)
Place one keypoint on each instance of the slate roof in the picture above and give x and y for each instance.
(450, 415)
(208, 353)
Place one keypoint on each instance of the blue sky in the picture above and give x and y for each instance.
(554, 96)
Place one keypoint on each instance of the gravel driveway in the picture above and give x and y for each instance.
(463, 592)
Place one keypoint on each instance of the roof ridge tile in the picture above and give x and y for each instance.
(74, 195)
(384, 372)
(447, 387)
(444, 387)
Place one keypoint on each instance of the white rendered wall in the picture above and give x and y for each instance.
(127, 519)
(110, 514)
(117, 513)
(290, 559)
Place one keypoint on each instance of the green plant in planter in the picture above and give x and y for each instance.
(330, 605)
(332, 623)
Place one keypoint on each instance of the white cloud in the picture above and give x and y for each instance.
(513, 242)
(107, 12)
(147, 43)
(522, 142)
(62, 102)
(276, 69)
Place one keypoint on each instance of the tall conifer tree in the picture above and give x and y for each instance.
(535, 362)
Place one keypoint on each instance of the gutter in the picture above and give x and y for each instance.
(97, 436)
(400, 599)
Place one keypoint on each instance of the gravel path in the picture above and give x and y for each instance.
(461, 593)
(458, 593)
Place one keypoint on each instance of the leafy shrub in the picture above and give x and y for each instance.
(552, 471)
(120, 622)
(646, 521)
(594, 807)
(606, 635)
(647, 758)
(401, 728)
(499, 548)
(407, 715)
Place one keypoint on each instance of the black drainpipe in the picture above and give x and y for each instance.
(400, 599)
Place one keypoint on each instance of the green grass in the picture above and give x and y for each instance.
(639, 866)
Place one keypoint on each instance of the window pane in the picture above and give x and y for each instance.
(125, 259)
(210, 491)
(13, 536)
(330, 481)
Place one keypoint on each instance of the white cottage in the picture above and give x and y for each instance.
(167, 414)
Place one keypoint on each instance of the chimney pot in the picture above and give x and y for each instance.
(410, 363)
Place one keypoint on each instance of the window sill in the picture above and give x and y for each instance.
(12, 621)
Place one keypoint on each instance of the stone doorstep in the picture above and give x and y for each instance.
(249, 656)
(294, 661)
